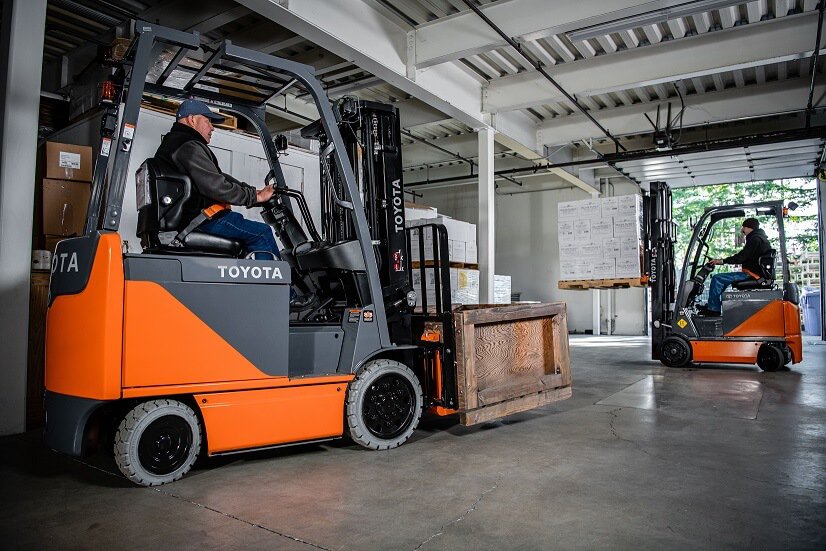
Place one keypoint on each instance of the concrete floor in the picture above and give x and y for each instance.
(641, 457)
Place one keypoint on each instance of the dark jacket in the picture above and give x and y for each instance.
(185, 150)
(757, 244)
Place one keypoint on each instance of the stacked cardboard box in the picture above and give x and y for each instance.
(501, 289)
(600, 238)
(461, 235)
(65, 173)
(464, 286)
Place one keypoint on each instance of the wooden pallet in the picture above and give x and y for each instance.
(617, 283)
(431, 263)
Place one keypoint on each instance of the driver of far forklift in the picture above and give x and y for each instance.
(757, 244)
(185, 147)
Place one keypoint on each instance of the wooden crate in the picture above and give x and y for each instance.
(510, 358)
(618, 283)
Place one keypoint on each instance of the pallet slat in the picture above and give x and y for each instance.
(618, 283)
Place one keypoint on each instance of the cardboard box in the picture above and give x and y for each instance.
(471, 253)
(602, 229)
(67, 162)
(467, 288)
(591, 251)
(64, 207)
(627, 227)
(590, 208)
(609, 206)
(52, 241)
(611, 247)
(605, 269)
(629, 206)
(569, 251)
(582, 231)
(414, 211)
(628, 267)
(568, 210)
(457, 251)
(501, 289)
(584, 269)
(456, 229)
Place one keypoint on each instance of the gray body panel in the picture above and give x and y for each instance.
(66, 419)
(739, 306)
(251, 314)
(315, 350)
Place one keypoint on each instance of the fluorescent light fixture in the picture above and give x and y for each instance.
(650, 18)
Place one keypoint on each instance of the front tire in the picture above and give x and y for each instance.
(675, 352)
(384, 405)
(157, 442)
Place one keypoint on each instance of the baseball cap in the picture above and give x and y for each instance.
(195, 107)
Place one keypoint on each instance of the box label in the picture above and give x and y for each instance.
(69, 160)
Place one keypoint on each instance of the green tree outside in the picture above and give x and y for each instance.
(800, 225)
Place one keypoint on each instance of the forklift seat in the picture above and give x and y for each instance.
(768, 264)
(162, 194)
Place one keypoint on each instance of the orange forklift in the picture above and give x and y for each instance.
(192, 346)
(760, 321)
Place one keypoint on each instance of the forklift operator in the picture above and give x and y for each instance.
(757, 244)
(185, 148)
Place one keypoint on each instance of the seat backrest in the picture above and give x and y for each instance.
(161, 195)
(768, 264)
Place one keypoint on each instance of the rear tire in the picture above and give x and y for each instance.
(157, 442)
(770, 357)
(675, 352)
(383, 405)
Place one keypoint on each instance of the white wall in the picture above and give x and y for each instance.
(527, 249)
(238, 154)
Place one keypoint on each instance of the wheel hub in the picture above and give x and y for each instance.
(165, 445)
(389, 406)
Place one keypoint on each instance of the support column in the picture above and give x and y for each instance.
(821, 239)
(21, 60)
(485, 229)
(595, 302)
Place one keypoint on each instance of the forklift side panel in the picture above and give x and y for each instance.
(66, 421)
(725, 351)
(83, 329)
(794, 338)
(315, 349)
(256, 418)
(256, 291)
(166, 343)
(753, 316)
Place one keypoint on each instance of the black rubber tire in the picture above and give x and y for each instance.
(675, 352)
(157, 442)
(787, 355)
(384, 395)
(770, 357)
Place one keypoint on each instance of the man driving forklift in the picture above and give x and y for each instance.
(757, 244)
(185, 148)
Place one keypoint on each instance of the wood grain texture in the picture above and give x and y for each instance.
(35, 376)
(506, 354)
(502, 409)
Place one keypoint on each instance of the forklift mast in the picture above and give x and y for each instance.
(659, 262)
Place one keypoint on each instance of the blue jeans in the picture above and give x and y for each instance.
(256, 236)
(719, 282)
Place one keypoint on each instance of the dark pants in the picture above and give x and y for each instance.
(256, 236)
(719, 282)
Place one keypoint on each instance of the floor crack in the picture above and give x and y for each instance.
(612, 416)
(464, 515)
(233, 517)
